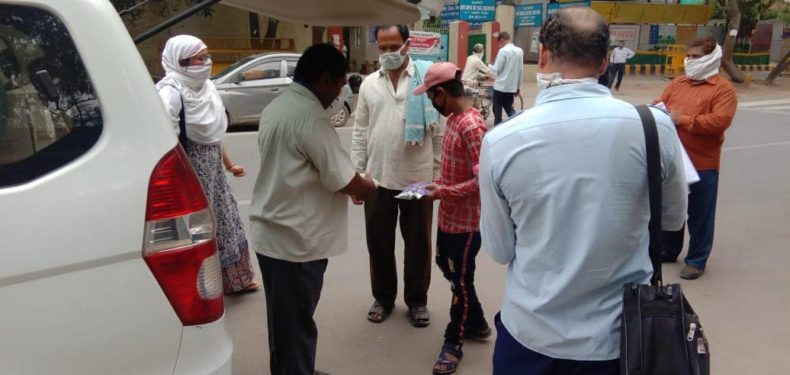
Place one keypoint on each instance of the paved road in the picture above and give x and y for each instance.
(743, 299)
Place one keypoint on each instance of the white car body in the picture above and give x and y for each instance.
(77, 296)
(85, 242)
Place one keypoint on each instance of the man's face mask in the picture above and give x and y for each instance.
(392, 60)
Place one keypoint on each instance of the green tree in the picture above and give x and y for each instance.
(162, 8)
(754, 11)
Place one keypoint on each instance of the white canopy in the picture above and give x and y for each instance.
(333, 12)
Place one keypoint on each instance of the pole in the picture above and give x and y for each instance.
(174, 20)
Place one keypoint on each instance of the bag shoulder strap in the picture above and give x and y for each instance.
(182, 125)
(653, 154)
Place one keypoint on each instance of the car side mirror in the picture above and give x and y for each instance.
(236, 79)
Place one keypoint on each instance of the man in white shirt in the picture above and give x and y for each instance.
(564, 196)
(620, 55)
(298, 215)
(476, 69)
(509, 70)
(383, 148)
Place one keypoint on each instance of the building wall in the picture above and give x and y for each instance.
(227, 22)
(506, 16)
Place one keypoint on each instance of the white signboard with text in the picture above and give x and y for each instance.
(425, 43)
(625, 33)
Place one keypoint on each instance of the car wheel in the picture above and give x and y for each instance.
(340, 117)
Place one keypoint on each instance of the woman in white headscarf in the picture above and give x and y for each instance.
(194, 105)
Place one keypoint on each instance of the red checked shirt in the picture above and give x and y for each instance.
(459, 209)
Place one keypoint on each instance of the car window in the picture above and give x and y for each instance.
(49, 112)
(233, 67)
(291, 67)
(267, 70)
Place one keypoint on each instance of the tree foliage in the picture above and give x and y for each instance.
(754, 11)
(161, 8)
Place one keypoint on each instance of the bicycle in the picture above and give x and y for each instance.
(481, 94)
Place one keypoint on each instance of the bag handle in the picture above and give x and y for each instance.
(182, 125)
(654, 188)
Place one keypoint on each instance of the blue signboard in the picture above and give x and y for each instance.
(451, 12)
(529, 15)
(553, 7)
(654, 34)
(478, 10)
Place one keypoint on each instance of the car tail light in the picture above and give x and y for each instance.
(179, 244)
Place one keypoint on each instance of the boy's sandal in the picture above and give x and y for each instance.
(444, 365)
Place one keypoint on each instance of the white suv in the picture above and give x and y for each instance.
(108, 261)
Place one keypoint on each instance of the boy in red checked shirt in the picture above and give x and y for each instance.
(458, 240)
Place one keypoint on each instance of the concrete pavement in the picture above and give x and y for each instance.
(742, 299)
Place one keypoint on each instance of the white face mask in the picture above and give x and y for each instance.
(199, 72)
(392, 60)
(546, 80)
(479, 55)
(704, 67)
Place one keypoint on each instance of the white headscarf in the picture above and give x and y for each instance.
(704, 67)
(204, 112)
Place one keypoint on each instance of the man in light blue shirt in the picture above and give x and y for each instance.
(565, 205)
(509, 70)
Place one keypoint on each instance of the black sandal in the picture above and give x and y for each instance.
(378, 313)
(444, 365)
(419, 317)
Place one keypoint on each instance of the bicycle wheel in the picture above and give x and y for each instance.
(485, 107)
(519, 103)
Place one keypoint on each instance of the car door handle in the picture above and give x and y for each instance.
(275, 90)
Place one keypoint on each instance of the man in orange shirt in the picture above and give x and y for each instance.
(702, 104)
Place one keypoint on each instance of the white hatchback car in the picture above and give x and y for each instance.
(250, 84)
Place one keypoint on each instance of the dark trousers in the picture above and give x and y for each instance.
(455, 256)
(603, 79)
(618, 71)
(701, 222)
(512, 358)
(503, 100)
(381, 219)
(292, 293)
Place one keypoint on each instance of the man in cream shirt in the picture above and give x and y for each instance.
(476, 69)
(379, 147)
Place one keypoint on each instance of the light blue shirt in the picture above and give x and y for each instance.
(565, 206)
(509, 69)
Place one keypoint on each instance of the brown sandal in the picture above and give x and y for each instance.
(378, 313)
